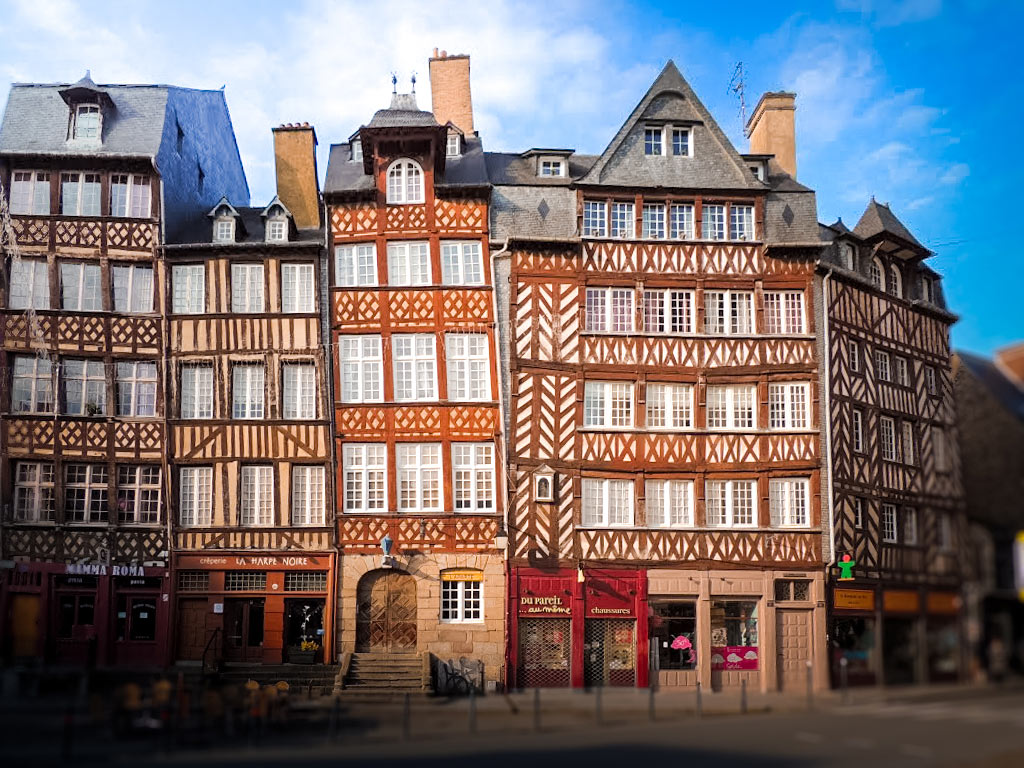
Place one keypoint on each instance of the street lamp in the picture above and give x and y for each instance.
(385, 546)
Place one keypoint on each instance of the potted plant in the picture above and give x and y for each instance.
(305, 653)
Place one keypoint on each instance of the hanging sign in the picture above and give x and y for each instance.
(854, 599)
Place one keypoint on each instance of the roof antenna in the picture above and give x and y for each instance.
(738, 86)
(394, 82)
(414, 82)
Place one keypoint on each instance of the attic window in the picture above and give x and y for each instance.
(654, 141)
(357, 150)
(927, 289)
(681, 144)
(551, 167)
(876, 274)
(405, 182)
(758, 170)
(277, 230)
(87, 121)
(454, 146)
(224, 230)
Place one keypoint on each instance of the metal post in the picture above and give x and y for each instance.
(700, 705)
(472, 709)
(406, 718)
(67, 737)
(651, 715)
(743, 697)
(536, 709)
(597, 704)
(810, 686)
(844, 682)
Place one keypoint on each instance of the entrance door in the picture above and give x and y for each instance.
(792, 649)
(75, 622)
(24, 621)
(135, 638)
(243, 629)
(899, 651)
(191, 621)
(386, 612)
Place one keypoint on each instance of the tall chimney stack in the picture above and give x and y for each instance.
(297, 182)
(449, 90)
(772, 129)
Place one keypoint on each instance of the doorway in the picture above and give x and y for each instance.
(243, 630)
(24, 621)
(304, 624)
(191, 620)
(792, 648)
(386, 612)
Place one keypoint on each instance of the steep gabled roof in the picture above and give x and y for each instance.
(715, 163)
(878, 219)
(999, 385)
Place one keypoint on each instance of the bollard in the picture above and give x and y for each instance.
(536, 709)
(743, 697)
(699, 711)
(844, 683)
(810, 686)
(472, 709)
(406, 718)
(650, 704)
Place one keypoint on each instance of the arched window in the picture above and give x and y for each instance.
(876, 274)
(895, 282)
(405, 182)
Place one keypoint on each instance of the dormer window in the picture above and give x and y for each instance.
(87, 121)
(454, 145)
(551, 167)
(224, 230)
(682, 144)
(848, 256)
(927, 289)
(357, 150)
(876, 274)
(277, 231)
(405, 182)
(895, 282)
(654, 140)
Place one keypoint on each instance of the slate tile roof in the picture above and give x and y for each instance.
(879, 219)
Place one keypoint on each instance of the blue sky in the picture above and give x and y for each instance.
(915, 101)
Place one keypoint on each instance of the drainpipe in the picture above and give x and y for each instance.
(828, 423)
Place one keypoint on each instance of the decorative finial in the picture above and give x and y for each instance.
(414, 82)
(88, 74)
(394, 82)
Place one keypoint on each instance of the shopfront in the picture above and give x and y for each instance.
(257, 609)
(853, 636)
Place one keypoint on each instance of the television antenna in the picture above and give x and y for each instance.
(738, 85)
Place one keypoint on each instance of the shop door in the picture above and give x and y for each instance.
(899, 651)
(609, 652)
(792, 649)
(304, 624)
(544, 653)
(24, 623)
(135, 638)
(75, 621)
(243, 630)
(386, 612)
(191, 621)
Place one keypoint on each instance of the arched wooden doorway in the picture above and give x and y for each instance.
(386, 612)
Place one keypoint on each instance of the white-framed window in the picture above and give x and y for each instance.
(357, 150)
(462, 597)
(33, 492)
(362, 368)
(80, 194)
(728, 312)
(669, 503)
(853, 349)
(669, 406)
(453, 144)
(895, 282)
(653, 221)
(741, 222)
(858, 512)
(462, 263)
(927, 289)
(86, 493)
(32, 385)
(414, 358)
(849, 256)
(929, 380)
(136, 388)
(130, 196)
(623, 221)
(473, 477)
(883, 370)
(595, 218)
(731, 406)
(607, 503)
(298, 288)
(789, 502)
(941, 448)
(608, 404)
(609, 310)
(30, 193)
(308, 498)
(418, 468)
(902, 372)
(907, 442)
(247, 288)
(730, 503)
(876, 274)
(910, 526)
(469, 366)
(298, 390)
(87, 121)
(889, 529)
(85, 387)
(654, 140)
(133, 288)
(364, 468)
(551, 166)
(680, 221)
(887, 437)
(945, 532)
(405, 182)
(409, 263)
(682, 142)
(789, 405)
(256, 499)
(30, 284)
(197, 391)
(189, 289)
(713, 222)
(784, 312)
(195, 499)
(224, 230)
(248, 385)
(858, 430)
(668, 311)
(355, 265)
(138, 494)
(277, 230)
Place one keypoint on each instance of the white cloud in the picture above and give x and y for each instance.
(956, 173)
(893, 13)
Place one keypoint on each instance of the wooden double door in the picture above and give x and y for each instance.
(386, 612)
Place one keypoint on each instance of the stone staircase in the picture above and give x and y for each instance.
(387, 673)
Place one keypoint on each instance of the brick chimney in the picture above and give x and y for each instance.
(449, 90)
(772, 129)
(297, 182)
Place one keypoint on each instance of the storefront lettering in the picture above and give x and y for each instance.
(552, 604)
(616, 611)
(98, 569)
(267, 561)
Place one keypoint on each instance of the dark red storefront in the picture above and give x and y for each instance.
(578, 630)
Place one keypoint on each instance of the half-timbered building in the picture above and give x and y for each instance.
(897, 496)
(666, 514)
(94, 177)
(253, 517)
(420, 489)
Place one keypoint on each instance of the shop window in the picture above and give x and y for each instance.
(193, 581)
(734, 634)
(74, 611)
(853, 639)
(245, 581)
(673, 626)
(609, 654)
(136, 619)
(943, 650)
(544, 651)
(305, 581)
(790, 590)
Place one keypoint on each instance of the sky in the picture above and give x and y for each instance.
(911, 101)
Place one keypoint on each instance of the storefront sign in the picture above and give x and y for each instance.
(99, 569)
(548, 604)
(734, 657)
(236, 562)
(853, 599)
(942, 602)
(901, 601)
(598, 611)
(463, 574)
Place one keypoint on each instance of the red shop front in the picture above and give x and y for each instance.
(577, 629)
